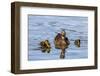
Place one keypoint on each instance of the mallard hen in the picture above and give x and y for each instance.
(61, 42)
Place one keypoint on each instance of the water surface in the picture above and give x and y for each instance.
(46, 27)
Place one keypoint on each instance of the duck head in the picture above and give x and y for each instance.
(63, 33)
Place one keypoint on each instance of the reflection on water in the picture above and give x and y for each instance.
(42, 28)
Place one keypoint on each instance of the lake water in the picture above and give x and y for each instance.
(46, 27)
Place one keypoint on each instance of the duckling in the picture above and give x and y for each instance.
(45, 46)
(77, 42)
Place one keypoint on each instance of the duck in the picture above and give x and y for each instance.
(77, 42)
(61, 42)
(45, 46)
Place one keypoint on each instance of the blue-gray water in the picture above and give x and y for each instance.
(46, 27)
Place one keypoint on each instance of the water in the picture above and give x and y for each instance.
(46, 27)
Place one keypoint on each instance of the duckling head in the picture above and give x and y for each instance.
(47, 43)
